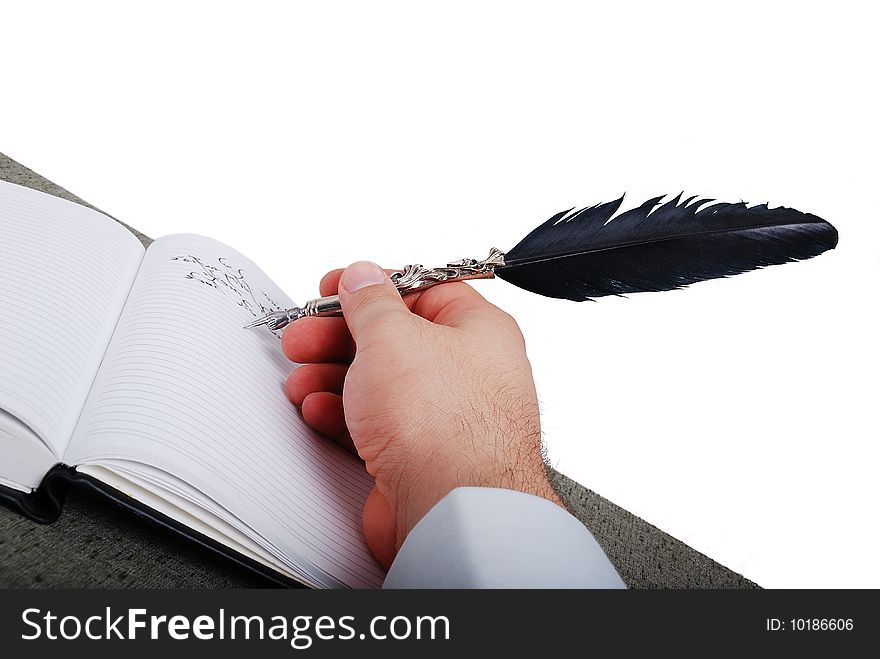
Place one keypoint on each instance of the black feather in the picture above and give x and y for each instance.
(658, 247)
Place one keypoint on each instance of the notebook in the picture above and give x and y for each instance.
(126, 370)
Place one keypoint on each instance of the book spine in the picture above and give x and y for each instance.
(44, 504)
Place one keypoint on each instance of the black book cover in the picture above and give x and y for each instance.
(44, 505)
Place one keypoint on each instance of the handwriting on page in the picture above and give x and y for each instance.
(222, 276)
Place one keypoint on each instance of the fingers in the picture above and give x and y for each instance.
(318, 340)
(441, 304)
(325, 340)
(311, 378)
(330, 282)
(380, 530)
(449, 304)
(370, 302)
(323, 412)
(317, 388)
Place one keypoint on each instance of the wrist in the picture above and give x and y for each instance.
(415, 499)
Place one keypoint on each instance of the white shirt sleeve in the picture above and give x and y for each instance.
(480, 537)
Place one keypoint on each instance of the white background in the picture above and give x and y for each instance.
(740, 416)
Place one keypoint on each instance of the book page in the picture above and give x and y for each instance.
(25, 458)
(65, 272)
(186, 390)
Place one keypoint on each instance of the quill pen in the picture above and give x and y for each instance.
(657, 246)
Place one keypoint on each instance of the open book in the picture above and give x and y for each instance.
(128, 369)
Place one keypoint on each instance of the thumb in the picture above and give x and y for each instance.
(369, 300)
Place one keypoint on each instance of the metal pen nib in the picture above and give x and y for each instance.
(323, 306)
(277, 319)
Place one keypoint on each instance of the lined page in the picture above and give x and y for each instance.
(186, 390)
(65, 271)
(25, 458)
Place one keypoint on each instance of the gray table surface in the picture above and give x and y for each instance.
(96, 544)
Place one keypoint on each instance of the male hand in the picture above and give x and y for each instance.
(433, 392)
